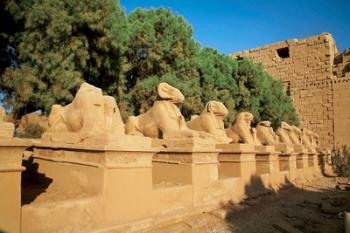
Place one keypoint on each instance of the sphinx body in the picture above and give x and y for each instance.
(310, 140)
(295, 135)
(306, 137)
(265, 134)
(283, 132)
(315, 142)
(6, 128)
(90, 118)
(211, 120)
(242, 130)
(164, 120)
(315, 139)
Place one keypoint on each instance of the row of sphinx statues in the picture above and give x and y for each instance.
(94, 118)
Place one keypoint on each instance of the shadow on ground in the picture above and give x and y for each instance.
(314, 206)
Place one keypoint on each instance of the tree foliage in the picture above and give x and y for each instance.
(244, 86)
(54, 45)
(61, 44)
(160, 48)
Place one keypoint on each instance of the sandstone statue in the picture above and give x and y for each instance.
(295, 135)
(315, 140)
(164, 120)
(306, 137)
(265, 134)
(290, 135)
(309, 140)
(283, 132)
(6, 128)
(211, 120)
(90, 118)
(241, 131)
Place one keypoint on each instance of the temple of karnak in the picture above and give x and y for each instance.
(91, 172)
(317, 77)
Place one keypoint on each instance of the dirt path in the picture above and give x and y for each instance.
(314, 207)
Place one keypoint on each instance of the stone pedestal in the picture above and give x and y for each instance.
(302, 165)
(317, 164)
(283, 148)
(311, 160)
(268, 163)
(117, 181)
(189, 166)
(288, 166)
(11, 152)
(311, 164)
(238, 160)
(316, 167)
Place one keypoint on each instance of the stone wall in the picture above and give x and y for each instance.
(342, 111)
(311, 69)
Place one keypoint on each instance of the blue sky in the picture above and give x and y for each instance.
(236, 25)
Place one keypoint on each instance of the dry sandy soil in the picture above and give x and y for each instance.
(311, 207)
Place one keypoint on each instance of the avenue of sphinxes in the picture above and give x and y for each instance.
(92, 172)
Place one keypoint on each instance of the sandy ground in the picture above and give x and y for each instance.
(312, 207)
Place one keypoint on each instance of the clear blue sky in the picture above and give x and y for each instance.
(236, 25)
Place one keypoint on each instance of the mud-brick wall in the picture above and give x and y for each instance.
(342, 111)
(315, 105)
(305, 67)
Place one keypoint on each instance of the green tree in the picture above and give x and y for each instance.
(262, 96)
(244, 86)
(160, 48)
(217, 81)
(51, 46)
(62, 43)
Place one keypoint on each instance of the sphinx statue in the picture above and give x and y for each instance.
(315, 139)
(315, 142)
(283, 132)
(295, 135)
(90, 118)
(290, 135)
(6, 128)
(265, 134)
(307, 137)
(211, 120)
(241, 130)
(164, 120)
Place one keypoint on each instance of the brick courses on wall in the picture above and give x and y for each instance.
(309, 72)
(342, 111)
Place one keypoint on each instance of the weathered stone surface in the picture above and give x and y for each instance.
(211, 120)
(164, 120)
(6, 128)
(91, 119)
(317, 78)
(265, 133)
(241, 129)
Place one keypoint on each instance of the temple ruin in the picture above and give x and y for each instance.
(317, 77)
(92, 173)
